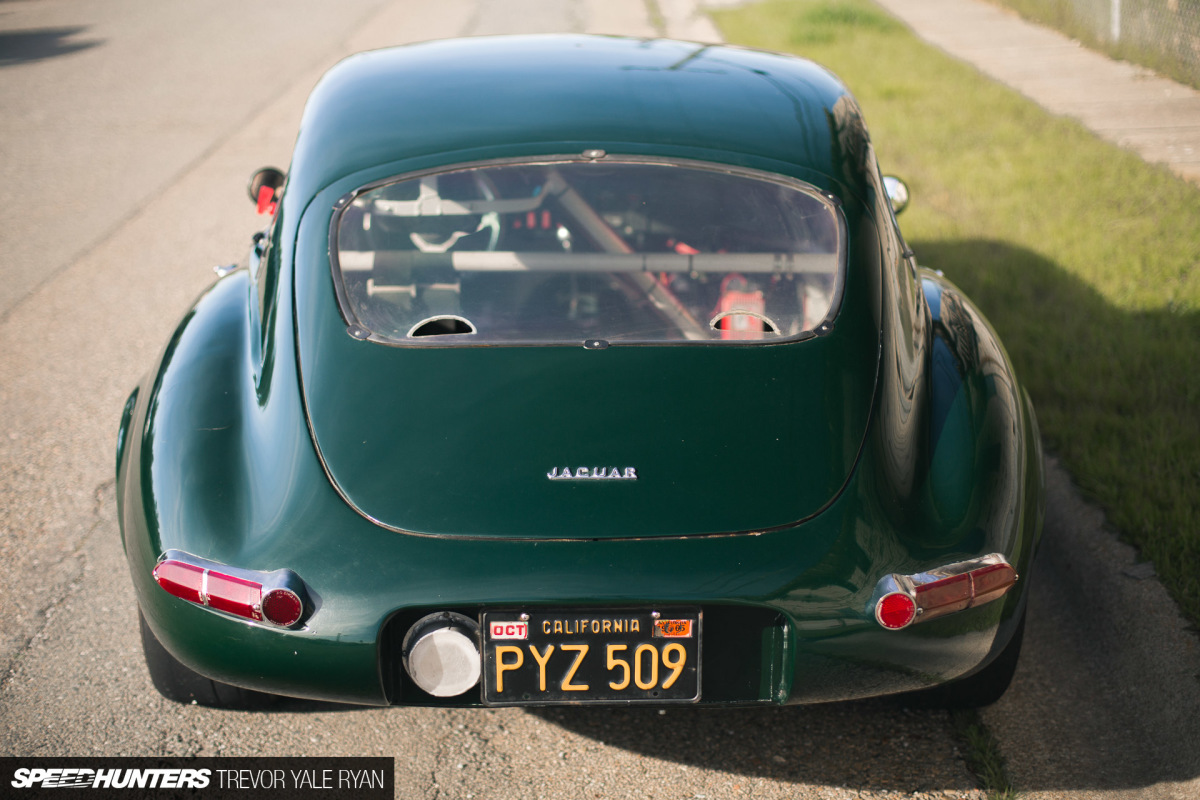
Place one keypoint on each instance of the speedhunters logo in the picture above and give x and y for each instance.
(326, 778)
(68, 777)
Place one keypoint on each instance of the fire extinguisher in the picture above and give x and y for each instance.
(742, 302)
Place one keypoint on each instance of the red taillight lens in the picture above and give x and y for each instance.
(185, 581)
(282, 606)
(993, 581)
(946, 595)
(895, 611)
(232, 594)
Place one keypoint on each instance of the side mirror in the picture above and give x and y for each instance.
(897, 192)
(264, 187)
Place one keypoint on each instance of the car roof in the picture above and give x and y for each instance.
(461, 100)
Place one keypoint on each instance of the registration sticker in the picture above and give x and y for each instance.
(508, 630)
(672, 629)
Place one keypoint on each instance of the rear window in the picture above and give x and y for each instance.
(588, 252)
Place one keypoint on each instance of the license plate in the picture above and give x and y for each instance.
(534, 657)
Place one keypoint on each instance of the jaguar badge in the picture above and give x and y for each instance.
(592, 474)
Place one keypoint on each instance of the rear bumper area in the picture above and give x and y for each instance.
(788, 615)
(751, 654)
(757, 656)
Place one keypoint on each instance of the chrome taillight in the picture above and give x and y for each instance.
(277, 597)
(902, 600)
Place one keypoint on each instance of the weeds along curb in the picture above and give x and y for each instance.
(981, 751)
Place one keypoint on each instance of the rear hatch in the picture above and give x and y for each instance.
(467, 441)
(562, 349)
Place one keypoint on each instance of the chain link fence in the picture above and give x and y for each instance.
(1161, 34)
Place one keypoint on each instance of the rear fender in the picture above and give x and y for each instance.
(983, 450)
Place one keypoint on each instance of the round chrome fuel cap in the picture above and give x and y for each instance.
(441, 654)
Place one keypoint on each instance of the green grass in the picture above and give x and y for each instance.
(1086, 260)
(981, 751)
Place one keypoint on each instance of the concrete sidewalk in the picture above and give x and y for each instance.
(1123, 103)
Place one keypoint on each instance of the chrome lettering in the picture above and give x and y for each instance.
(592, 473)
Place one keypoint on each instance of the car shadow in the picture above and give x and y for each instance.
(882, 744)
(1093, 370)
(41, 44)
(1080, 696)
(300, 705)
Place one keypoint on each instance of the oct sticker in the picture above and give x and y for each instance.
(508, 630)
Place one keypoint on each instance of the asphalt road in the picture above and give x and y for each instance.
(127, 134)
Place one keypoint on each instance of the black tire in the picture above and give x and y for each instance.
(986, 686)
(176, 682)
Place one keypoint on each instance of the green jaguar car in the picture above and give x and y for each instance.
(580, 370)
